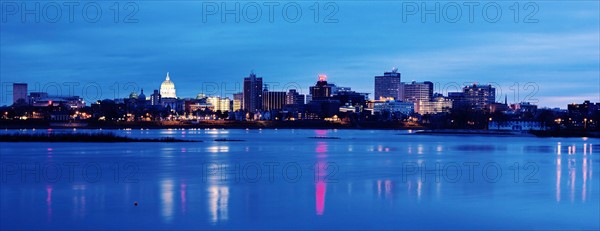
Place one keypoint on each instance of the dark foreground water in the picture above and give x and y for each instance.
(276, 179)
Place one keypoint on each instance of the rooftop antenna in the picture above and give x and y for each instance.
(394, 70)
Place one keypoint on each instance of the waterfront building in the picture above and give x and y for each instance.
(294, 98)
(238, 99)
(388, 86)
(584, 115)
(273, 100)
(524, 107)
(378, 106)
(252, 94)
(438, 104)
(322, 89)
(219, 104)
(516, 125)
(418, 91)
(478, 97)
(70, 102)
(347, 96)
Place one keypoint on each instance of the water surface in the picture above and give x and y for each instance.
(285, 178)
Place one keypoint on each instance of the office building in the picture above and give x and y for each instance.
(19, 93)
(478, 97)
(252, 94)
(294, 98)
(238, 99)
(322, 89)
(273, 100)
(388, 86)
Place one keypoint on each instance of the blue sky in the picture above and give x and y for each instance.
(553, 62)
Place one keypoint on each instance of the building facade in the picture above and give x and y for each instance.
(273, 100)
(238, 99)
(19, 92)
(388, 85)
(479, 97)
(294, 98)
(219, 104)
(252, 94)
(322, 89)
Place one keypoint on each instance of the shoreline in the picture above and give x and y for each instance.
(213, 124)
(102, 137)
(309, 125)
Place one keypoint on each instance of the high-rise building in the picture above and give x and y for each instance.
(294, 98)
(155, 98)
(219, 104)
(479, 97)
(415, 91)
(273, 100)
(167, 89)
(438, 104)
(418, 93)
(347, 96)
(322, 89)
(238, 99)
(388, 85)
(252, 95)
(19, 92)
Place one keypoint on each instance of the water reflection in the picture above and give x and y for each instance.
(166, 198)
(584, 156)
(49, 202)
(218, 149)
(321, 166)
(79, 200)
(183, 195)
(173, 191)
(218, 201)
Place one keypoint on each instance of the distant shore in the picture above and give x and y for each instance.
(563, 133)
(304, 124)
(86, 138)
(301, 124)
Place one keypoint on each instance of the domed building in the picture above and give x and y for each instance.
(142, 96)
(167, 88)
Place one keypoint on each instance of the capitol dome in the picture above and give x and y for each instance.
(167, 88)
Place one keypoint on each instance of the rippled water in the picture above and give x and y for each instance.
(277, 179)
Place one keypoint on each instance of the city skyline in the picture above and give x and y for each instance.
(434, 88)
(562, 46)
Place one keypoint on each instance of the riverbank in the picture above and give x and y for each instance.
(299, 124)
(553, 133)
(81, 137)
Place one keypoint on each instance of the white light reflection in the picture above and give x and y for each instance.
(218, 197)
(166, 196)
(217, 149)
